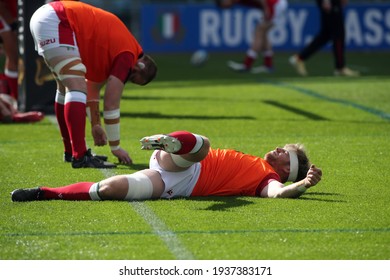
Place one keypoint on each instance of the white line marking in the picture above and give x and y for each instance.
(162, 231)
(159, 228)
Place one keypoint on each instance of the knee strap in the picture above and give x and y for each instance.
(140, 187)
(70, 68)
(180, 161)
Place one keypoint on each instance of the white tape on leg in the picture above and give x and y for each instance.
(70, 68)
(140, 187)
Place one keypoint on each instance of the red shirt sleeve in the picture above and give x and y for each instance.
(122, 66)
(266, 181)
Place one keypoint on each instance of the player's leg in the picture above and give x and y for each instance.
(70, 71)
(322, 37)
(262, 44)
(256, 46)
(142, 185)
(64, 61)
(59, 109)
(180, 149)
(10, 43)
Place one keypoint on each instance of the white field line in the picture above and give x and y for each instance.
(159, 227)
(161, 230)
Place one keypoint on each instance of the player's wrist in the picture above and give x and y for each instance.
(115, 148)
(303, 186)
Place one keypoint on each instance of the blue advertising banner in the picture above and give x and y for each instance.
(188, 27)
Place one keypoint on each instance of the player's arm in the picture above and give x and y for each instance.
(93, 113)
(266, 10)
(275, 189)
(111, 114)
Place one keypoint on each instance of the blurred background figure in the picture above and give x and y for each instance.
(8, 35)
(9, 112)
(9, 77)
(331, 29)
(273, 13)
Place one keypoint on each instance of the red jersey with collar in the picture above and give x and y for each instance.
(106, 45)
(232, 173)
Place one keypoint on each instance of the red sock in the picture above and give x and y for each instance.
(249, 61)
(268, 58)
(188, 142)
(267, 61)
(4, 88)
(78, 191)
(75, 115)
(60, 114)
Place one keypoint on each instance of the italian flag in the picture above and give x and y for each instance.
(169, 25)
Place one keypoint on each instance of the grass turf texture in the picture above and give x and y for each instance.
(343, 122)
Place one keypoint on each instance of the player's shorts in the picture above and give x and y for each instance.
(4, 26)
(51, 29)
(177, 184)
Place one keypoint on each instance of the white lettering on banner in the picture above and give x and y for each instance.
(278, 35)
(353, 29)
(387, 24)
(228, 29)
(371, 21)
(297, 20)
(231, 28)
(371, 29)
(209, 25)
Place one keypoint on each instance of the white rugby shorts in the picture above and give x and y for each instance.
(51, 30)
(177, 184)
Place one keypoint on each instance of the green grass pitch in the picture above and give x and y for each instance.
(343, 122)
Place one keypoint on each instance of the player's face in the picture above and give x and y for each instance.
(136, 76)
(278, 157)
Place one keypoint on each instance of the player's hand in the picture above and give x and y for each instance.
(313, 176)
(122, 156)
(99, 135)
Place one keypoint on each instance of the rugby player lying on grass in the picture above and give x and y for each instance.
(184, 165)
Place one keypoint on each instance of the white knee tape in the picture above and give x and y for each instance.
(94, 192)
(180, 161)
(140, 187)
(70, 68)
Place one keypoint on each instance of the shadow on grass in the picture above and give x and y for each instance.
(132, 167)
(307, 197)
(152, 115)
(222, 203)
(295, 110)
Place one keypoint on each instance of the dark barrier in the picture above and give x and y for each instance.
(36, 85)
